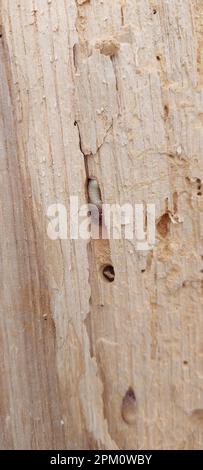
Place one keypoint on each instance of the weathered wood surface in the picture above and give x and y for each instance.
(129, 75)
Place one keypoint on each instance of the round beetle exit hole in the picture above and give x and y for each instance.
(108, 273)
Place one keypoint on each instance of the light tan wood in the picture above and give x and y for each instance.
(110, 89)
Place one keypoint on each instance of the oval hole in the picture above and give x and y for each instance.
(128, 410)
(108, 273)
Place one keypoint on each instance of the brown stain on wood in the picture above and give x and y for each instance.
(163, 225)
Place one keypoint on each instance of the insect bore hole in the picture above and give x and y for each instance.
(185, 363)
(108, 273)
(129, 407)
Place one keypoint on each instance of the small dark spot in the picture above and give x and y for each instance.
(198, 181)
(143, 270)
(185, 363)
(130, 394)
(158, 57)
(199, 193)
(154, 11)
(109, 273)
(197, 416)
(166, 111)
(75, 123)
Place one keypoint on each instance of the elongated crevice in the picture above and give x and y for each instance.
(81, 149)
(93, 265)
(122, 16)
(114, 69)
